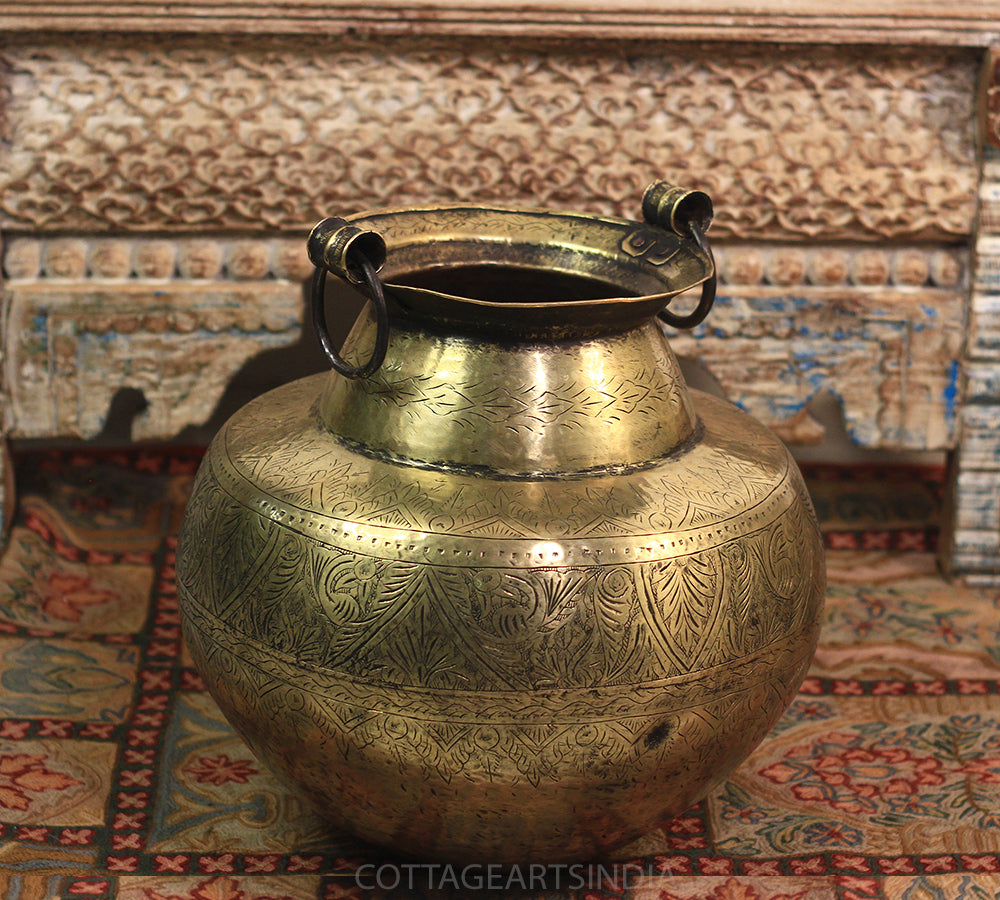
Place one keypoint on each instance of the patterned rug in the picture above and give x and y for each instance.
(120, 779)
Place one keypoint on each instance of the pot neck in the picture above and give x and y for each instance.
(513, 407)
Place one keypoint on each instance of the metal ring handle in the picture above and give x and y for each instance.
(684, 212)
(708, 288)
(377, 296)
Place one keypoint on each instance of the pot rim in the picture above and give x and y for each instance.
(643, 266)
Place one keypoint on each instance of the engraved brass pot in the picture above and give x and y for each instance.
(515, 593)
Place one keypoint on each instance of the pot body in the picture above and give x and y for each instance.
(510, 599)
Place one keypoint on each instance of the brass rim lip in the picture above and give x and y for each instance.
(617, 228)
(651, 299)
(354, 218)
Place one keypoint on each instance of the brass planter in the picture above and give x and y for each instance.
(514, 593)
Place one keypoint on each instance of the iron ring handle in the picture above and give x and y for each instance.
(686, 213)
(335, 245)
(377, 296)
(708, 288)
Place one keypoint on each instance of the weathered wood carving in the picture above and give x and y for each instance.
(271, 134)
(175, 319)
(972, 542)
(881, 330)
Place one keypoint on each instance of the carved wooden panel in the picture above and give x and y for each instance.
(971, 543)
(175, 319)
(269, 134)
(881, 330)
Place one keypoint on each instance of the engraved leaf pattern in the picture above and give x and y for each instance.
(741, 632)
(473, 404)
(248, 547)
(419, 649)
(201, 508)
(614, 631)
(682, 605)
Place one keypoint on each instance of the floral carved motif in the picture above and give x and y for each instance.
(90, 258)
(77, 342)
(272, 133)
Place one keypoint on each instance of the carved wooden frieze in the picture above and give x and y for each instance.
(268, 134)
(881, 329)
(174, 319)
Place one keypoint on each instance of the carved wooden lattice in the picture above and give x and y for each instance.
(271, 134)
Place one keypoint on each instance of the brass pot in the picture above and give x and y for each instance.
(505, 590)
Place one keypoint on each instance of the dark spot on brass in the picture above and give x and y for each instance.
(658, 735)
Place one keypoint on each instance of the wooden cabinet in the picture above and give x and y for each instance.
(159, 170)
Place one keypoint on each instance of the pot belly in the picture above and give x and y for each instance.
(499, 670)
(509, 777)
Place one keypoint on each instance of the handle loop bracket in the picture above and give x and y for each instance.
(356, 256)
(687, 214)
